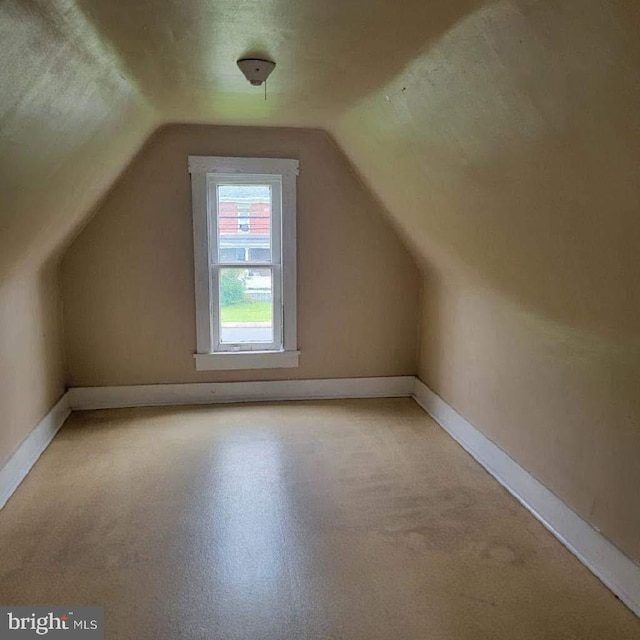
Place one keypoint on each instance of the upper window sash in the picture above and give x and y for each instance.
(275, 182)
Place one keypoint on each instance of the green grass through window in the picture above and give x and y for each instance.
(247, 312)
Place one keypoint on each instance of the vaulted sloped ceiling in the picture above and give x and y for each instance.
(511, 149)
(84, 82)
(70, 118)
(423, 96)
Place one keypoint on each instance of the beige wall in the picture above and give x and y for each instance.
(69, 121)
(563, 403)
(508, 153)
(32, 372)
(128, 277)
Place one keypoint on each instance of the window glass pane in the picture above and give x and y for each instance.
(232, 255)
(244, 221)
(260, 255)
(246, 305)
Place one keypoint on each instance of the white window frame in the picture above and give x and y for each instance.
(206, 172)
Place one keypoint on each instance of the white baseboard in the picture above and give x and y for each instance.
(83, 398)
(25, 456)
(614, 568)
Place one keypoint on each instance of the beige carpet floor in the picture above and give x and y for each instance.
(333, 520)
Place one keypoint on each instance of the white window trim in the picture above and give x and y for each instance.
(206, 357)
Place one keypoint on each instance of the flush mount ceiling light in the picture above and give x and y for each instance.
(256, 70)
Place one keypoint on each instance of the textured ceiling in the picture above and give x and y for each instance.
(70, 118)
(84, 82)
(509, 152)
(502, 136)
(181, 55)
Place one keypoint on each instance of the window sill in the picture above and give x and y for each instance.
(246, 360)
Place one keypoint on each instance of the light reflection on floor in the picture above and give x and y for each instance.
(247, 510)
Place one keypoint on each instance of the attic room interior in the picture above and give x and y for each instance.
(319, 319)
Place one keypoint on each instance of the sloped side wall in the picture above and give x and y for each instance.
(507, 155)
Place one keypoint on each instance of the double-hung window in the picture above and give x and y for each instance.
(244, 225)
